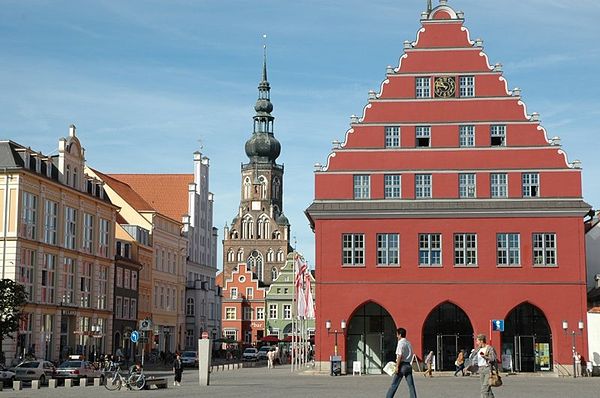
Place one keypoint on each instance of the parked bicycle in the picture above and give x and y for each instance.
(135, 380)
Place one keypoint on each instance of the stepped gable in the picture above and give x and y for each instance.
(444, 49)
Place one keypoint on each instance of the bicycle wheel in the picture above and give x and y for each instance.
(113, 382)
(137, 382)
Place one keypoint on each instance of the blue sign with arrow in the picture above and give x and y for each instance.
(135, 336)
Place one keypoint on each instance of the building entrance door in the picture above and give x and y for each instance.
(371, 339)
(447, 331)
(525, 353)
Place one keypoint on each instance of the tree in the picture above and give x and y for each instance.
(12, 299)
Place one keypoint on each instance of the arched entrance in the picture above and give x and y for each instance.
(371, 338)
(447, 331)
(526, 340)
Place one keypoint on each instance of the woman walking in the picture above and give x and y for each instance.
(177, 369)
(460, 363)
(429, 363)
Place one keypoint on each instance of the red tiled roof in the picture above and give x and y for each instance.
(167, 193)
(126, 192)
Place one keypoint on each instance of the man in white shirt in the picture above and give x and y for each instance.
(404, 354)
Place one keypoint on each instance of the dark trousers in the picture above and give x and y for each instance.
(405, 371)
(178, 373)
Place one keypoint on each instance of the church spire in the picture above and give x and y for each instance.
(263, 147)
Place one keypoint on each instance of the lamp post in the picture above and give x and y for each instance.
(573, 333)
(335, 332)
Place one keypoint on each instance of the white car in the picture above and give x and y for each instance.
(250, 354)
(189, 358)
(6, 376)
(35, 370)
(77, 369)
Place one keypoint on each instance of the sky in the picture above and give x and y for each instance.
(149, 82)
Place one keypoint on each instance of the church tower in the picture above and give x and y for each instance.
(259, 234)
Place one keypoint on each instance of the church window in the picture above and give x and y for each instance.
(230, 255)
(263, 227)
(270, 255)
(273, 273)
(247, 227)
(276, 187)
(263, 187)
(247, 188)
(240, 255)
(280, 255)
(255, 264)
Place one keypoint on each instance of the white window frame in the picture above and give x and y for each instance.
(544, 249)
(125, 307)
(104, 238)
(507, 253)
(50, 222)
(499, 185)
(287, 311)
(422, 133)
(423, 186)
(273, 311)
(26, 272)
(388, 249)
(467, 86)
(530, 185)
(498, 131)
(233, 292)
(119, 307)
(247, 314)
(126, 278)
(430, 249)
(392, 186)
(423, 87)
(353, 249)
(88, 233)
(392, 137)
(465, 249)
(29, 216)
(85, 284)
(102, 287)
(467, 185)
(260, 313)
(362, 186)
(230, 313)
(48, 281)
(249, 293)
(68, 271)
(466, 136)
(119, 277)
(70, 228)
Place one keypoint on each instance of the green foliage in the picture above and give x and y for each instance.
(12, 299)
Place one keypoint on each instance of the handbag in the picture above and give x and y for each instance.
(495, 380)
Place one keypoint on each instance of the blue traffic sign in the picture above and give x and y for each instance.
(135, 336)
(498, 325)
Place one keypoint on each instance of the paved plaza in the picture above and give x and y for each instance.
(281, 383)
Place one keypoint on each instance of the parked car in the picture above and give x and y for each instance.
(77, 369)
(189, 358)
(6, 376)
(263, 351)
(250, 354)
(35, 370)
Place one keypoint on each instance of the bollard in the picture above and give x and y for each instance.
(1, 385)
(83, 382)
(17, 386)
(68, 383)
(35, 384)
(96, 382)
(52, 383)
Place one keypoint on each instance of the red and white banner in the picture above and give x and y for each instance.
(304, 299)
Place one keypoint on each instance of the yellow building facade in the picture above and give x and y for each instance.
(57, 227)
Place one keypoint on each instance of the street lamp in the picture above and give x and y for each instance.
(565, 326)
(335, 332)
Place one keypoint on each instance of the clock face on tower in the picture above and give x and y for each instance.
(444, 87)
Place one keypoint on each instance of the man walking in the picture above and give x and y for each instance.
(404, 354)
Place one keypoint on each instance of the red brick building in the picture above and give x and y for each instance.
(243, 306)
(447, 207)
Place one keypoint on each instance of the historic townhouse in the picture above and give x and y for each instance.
(279, 303)
(243, 307)
(58, 241)
(187, 198)
(448, 207)
(168, 263)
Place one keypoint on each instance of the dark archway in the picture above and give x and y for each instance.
(371, 338)
(527, 340)
(447, 331)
